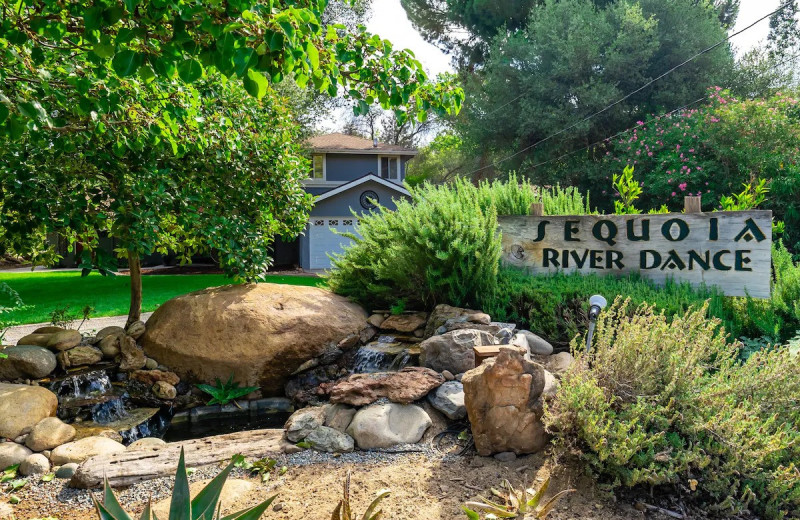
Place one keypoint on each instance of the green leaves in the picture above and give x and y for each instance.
(224, 393)
(255, 84)
(125, 63)
(190, 70)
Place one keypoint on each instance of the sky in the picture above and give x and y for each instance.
(389, 20)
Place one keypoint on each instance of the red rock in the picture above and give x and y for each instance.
(406, 386)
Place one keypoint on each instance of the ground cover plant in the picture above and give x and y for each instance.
(662, 401)
(44, 292)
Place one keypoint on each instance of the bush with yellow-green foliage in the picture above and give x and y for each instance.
(665, 401)
(442, 246)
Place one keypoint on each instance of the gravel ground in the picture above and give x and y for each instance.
(425, 485)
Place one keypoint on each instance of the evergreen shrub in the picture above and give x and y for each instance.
(442, 246)
(667, 401)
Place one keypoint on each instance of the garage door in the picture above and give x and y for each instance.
(323, 241)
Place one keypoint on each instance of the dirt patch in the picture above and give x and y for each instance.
(423, 487)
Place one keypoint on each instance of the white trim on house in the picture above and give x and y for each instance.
(398, 169)
(361, 180)
(324, 178)
(374, 151)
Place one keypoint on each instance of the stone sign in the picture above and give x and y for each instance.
(730, 250)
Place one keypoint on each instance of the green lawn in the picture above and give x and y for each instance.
(44, 292)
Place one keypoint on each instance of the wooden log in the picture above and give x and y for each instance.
(129, 467)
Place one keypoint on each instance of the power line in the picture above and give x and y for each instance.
(620, 100)
(638, 125)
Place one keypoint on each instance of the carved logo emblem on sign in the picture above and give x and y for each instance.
(730, 250)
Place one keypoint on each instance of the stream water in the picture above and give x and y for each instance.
(385, 354)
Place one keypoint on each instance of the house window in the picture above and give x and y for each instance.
(390, 168)
(317, 167)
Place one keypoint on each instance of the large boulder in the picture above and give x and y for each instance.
(304, 421)
(443, 313)
(78, 451)
(22, 406)
(406, 386)
(12, 454)
(260, 333)
(49, 433)
(27, 362)
(504, 403)
(453, 351)
(385, 425)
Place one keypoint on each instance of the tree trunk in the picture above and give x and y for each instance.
(135, 264)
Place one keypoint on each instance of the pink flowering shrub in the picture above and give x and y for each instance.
(712, 150)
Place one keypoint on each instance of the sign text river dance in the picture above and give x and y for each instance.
(730, 250)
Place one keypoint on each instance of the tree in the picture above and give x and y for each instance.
(575, 59)
(157, 123)
(385, 126)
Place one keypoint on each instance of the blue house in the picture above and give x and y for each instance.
(348, 174)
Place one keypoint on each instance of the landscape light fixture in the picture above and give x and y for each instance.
(596, 304)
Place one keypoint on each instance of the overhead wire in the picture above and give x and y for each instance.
(627, 96)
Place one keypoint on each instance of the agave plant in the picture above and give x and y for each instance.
(343, 510)
(224, 393)
(516, 503)
(205, 506)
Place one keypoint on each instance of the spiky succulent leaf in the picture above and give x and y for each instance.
(180, 508)
(495, 509)
(111, 504)
(254, 513)
(545, 509)
(208, 498)
(147, 514)
(102, 512)
(368, 513)
(537, 497)
(472, 515)
(337, 513)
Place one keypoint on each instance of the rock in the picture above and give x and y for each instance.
(38, 339)
(559, 363)
(449, 399)
(506, 456)
(164, 390)
(453, 351)
(234, 492)
(78, 451)
(48, 329)
(504, 404)
(375, 320)
(49, 433)
(448, 375)
(406, 386)
(492, 329)
(67, 470)
(27, 362)
(404, 322)
(439, 422)
(479, 317)
(331, 440)
(21, 439)
(12, 453)
(339, 416)
(385, 425)
(419, 333)
(259, 332)
(132, 355)
(441, 313)
(304, 421)
(135, 329)
(36, 464)
(108, 331)
(151, 364)
(109, 345)
(536, 344)
(147, 443)
(22, 406)
(151, 377)
(64, 340)
(551, 385)
(367, 334)
(79, 356)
